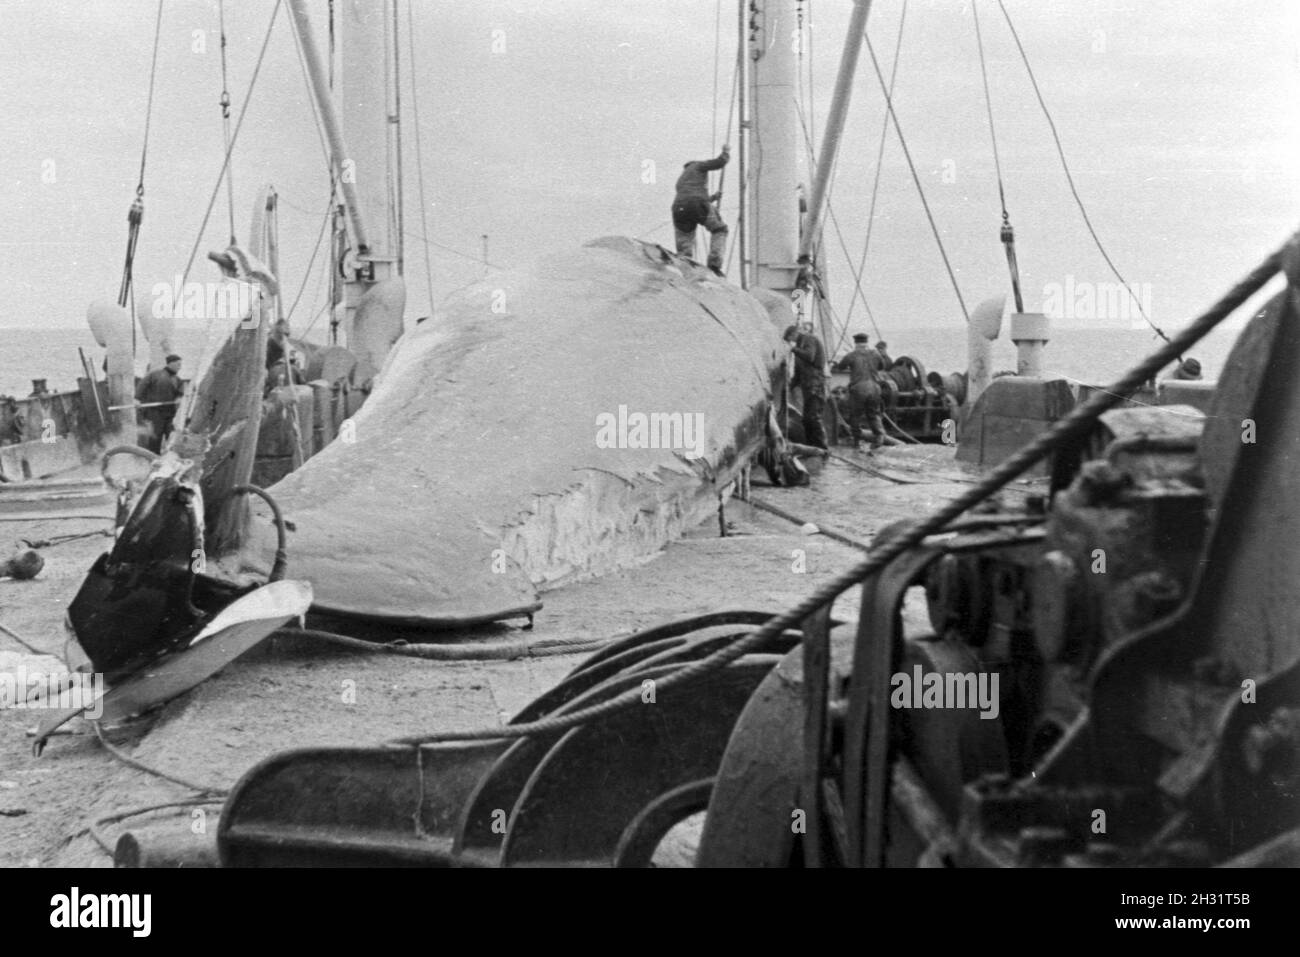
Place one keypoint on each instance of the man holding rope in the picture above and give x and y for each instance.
(694, 207)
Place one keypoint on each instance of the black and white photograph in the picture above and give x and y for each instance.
(736, 434)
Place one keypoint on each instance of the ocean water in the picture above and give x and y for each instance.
(51, 354)
(1088, 355)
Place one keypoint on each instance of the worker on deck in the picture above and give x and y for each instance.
(694, 207)
(863, 365)
(157, 395)
(883, 351)
(281, 361)
(810, 379)
(1188, 370)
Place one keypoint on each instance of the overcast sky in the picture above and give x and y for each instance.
(1179, 118)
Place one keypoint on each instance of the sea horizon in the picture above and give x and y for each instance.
(1091, 354)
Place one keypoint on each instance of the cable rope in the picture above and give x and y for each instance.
(216, 190)
(315, 113)
(239, 123)
(875, 184)
(988, 106)
(419, 159)
(398, 206)
(857, 281)
(902, 141)
(225, 119)
(1060, 152)
(811, 99)
(135, 216)
(717, 56)
(329, 211)
(148, 110)
(1071, 427)
(323, 309)
(857, 277)
(733, 109)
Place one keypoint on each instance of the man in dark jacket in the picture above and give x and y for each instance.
(159, 393)
(863, 365)
(693, 207)
(810, 379)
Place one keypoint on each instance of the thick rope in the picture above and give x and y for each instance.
(497, 651)
(21, 640)
(94, 829)
(141, 766)
(1075, 424)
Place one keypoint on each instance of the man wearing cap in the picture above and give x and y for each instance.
(693, 207)
(810, 379)
(863, 364)
(157, 396)
(883, 351)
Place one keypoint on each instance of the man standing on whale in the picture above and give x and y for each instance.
(694, 207)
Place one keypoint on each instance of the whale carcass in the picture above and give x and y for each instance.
(548, 424)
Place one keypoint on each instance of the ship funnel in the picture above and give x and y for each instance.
(981, 332)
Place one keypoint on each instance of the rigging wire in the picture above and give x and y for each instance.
(239, 122)
(889, 103)
(329, 168)
(857, 282)
(135, 216)
(880, 157)
(812, 96)
(733, 109)
(329, 210)
(148, 110)
(1060, 152)
(216, 189)
(717, 56)
(988, 106)
(841, 326)
(323, 309)
(397, 136)
(419, 159)
(225, 118)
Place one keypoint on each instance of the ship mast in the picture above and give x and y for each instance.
(357, 118)
(781, 248)
(834, 126)
(773, 145)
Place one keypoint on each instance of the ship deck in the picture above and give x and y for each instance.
(289, 692)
